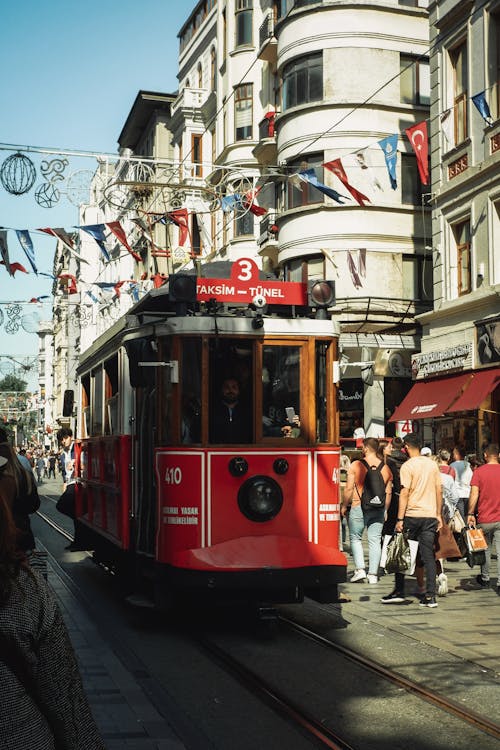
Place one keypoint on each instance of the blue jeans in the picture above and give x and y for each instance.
(424, 531)
(373, 521)
(492, 535)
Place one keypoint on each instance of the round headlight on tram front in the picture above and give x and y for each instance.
(260, 498)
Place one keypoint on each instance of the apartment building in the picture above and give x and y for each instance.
(283, 88)
(457, 396)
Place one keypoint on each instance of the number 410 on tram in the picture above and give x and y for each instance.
(209, 462)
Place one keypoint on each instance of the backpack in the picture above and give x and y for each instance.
(373, 495)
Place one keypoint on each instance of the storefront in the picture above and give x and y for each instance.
(452, 403)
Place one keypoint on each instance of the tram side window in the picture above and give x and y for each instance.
(191, 391)
(85, 426)
(96, 403)
(281, 391)
(111, 425)
(231, 365)
(321, 392)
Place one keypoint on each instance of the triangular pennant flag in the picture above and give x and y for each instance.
(249, 203)
(417, 135)
(353, 271)
(117, 229)
(389, 146)
(27, 245)
(309, 175)
(230, 202)
(447, 124)
(14, 267)
(96, 231)
(66, 240)
(180, 218)
(4, 251)
(482, 107)
(364, 162)
(337, 168)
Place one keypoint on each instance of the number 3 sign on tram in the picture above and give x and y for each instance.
(244, 285)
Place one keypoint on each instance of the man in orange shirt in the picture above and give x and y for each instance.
(420, 501)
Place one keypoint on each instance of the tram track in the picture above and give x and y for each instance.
(470, 717)
(268, 690)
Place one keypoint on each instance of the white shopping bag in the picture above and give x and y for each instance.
(413, 553)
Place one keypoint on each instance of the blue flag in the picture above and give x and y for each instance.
(482, 106)
(389, 146)
(97, 232)
(309, 175)
(25, 241)
(230, 202)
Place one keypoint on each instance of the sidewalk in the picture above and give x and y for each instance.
(466, 622)
(125, 715)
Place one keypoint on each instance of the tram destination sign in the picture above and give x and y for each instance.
(244, 286)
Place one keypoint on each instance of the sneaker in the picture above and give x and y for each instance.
(394, 598)
(442, 584)
(482, 581)
(359, 575)
(429, 601)
(372, 578)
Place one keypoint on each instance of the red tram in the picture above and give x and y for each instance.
(166, 494)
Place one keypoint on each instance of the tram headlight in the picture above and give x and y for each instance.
(320, 295)
(260, 498)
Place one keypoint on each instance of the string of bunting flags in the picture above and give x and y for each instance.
(417, 136)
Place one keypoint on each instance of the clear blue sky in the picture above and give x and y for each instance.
(69, 74)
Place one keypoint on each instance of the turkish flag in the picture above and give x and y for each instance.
(417, 135)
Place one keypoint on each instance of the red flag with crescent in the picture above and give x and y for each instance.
(417, 135)
(338, 170)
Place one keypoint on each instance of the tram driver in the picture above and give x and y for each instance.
(231, 418)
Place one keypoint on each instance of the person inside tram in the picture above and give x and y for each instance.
(282, 399)
(231, 418)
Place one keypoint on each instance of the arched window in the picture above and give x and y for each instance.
(213, 66)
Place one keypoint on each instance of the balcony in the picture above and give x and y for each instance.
(268, 44)
(266, 150)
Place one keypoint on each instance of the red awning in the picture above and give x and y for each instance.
(479, 387)
(430, 398)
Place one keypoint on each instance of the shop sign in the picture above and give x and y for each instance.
(350, 394)
(487, 342)
(455, 358)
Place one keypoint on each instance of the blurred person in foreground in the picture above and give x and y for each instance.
(43, 704)
(19, 489)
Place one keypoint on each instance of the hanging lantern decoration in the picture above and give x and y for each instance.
(17, 174)
(47, 195)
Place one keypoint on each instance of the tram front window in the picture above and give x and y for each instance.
(281, 391)
(231, 402)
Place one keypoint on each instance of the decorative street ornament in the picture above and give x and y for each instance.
(13, 323)
(53, 170)
(17, 174)
(78, 187)
(47, 195)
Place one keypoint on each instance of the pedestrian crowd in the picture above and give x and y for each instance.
(400, 487)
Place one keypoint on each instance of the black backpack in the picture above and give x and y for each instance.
(373, 495)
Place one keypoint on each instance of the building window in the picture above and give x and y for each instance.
(458, 58)
(196, 236)
(243, 18)
(303, 81)
(417, 278)
(414, 81)
(461, 233)
(197, 155)
(493, 62)
(300, 193)
(199, 72)
(243, 112)
(411, 184)
(213, 69)
(243, 225)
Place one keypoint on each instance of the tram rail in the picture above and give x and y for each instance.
(470, 717)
